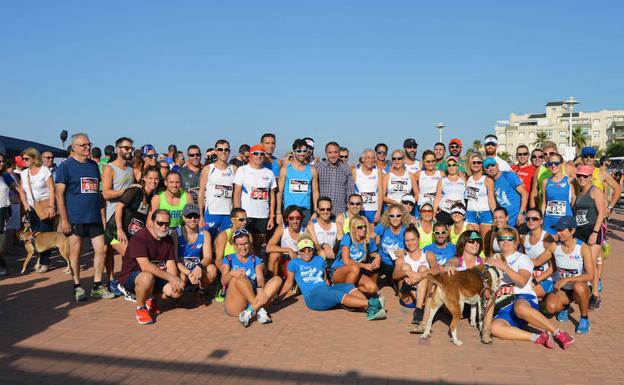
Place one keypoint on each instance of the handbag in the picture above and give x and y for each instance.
(41, 207)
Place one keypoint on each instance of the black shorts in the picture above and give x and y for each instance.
(257, 225)
(87, 230)
(569, 293)
(584, 232)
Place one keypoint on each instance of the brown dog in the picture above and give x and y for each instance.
(455, 290)
(44, 242)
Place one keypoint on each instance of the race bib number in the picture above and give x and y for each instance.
(222, 191)
(260, 193)
(369, 197)
(162, 265)
(557, 208)
(398, 185)
(190, 262)
(471, 193)
(429, 197)
(581, 217)
(568, 273)
(89, 185)
(298, 186)
(539, 270)
(504, 291)
(134, 226)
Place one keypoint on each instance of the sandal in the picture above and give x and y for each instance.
(486, 337)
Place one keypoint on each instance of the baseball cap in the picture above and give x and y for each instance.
(409, 142)
(147, 148)
(310, 142)
(487, 162)
(490, 139)
(567, 222)
(458, 210)
(190, 208)
(426, 204)
(456, 141)
(585, 170)
(305, 243)
(588, 151)
(408, 198)
(257, 148)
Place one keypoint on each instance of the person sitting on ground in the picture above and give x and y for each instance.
(283, 243)
(149, 267)
(308, 270)
(535, 243)
(409, 203)
(354, 208)
(247, 293)
(195, 253)
(389, 238)
(441, 247)
(425, 225)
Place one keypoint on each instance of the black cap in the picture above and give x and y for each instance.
(409, 142)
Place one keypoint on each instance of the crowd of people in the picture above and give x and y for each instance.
(256, 228)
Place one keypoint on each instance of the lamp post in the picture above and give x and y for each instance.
(570, 103)
(440, 126)
(63, 137)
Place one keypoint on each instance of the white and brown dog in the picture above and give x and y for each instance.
(466, 286)
(40, 242)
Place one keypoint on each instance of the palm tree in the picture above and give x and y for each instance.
(476, 145)
(579, 139)
(540, 138)
(506, 156)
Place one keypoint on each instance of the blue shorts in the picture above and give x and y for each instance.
(129, 284)
(548, 285)
(507, 313)
(214, 224)
(326, 297)
(370, 215)
(479, 217)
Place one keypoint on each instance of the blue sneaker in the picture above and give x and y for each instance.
(113, 287)
(600, 285)
(583, 326)
(563, 316)
(375, 302)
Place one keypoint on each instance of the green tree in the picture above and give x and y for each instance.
(541, 137)
(615, 149)
(579, 139)
(476, 145)
(506, 156)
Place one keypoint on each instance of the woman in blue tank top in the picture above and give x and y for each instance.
(557, 194)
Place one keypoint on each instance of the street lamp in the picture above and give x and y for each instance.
(440, 126)
(570, 103)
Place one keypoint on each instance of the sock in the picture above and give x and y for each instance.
(76, 285)
(250, 309)
(534, 337)
(96, 285)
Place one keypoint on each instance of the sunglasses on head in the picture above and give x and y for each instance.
(537, 156)
(506, 238)
(239, 232)
(162, 224)
(442, 232)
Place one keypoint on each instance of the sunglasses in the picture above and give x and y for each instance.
(489, 166)
(395, 215)
(25, 158)
(194, 155)
(477, 162)
(192, 216)
(537, 156)
(344, 156)
(222, 149)
(355, 203)
(427, 211)
(579, 176)
(430, 161)
(48, 157)
(589, 156)
(443, 232)
(240, 232)
(127, 148)
(381, 152)
(361, 227)
(522, 154)
(408, 203)
(84, 145)
(509, 238)
(550, 164)
(453, 146)
(324, 209)
(473, 241)
(451, 165)
(151, 156)
(301, 151)
(411, 148)
(532, 219)
(258, 153)
(242, 219)
(295, 218)
(550, 153)
(397, 159)
(162, 224)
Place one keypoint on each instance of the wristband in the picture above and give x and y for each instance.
(201, 265)
(535, 282)
(595, 232)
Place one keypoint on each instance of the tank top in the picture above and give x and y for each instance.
(190, 254)
(568, 264)
(462, 262)
(346, 224)
(452, 192)
(287, 240)
(367, 186)
(585, 209)
(416, 264)
(298, 187)
(427, 185)
(495, 246)
(424, 239)
(174, 211)
(414, 167)
(325, 236)
(455, 236)
(535, 251)
(229, 243)
(477, 194)
(596, 179)
(122, 179)
(398, 185)
(558, 198)
(219, 189)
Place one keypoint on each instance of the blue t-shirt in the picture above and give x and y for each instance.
(82, 190)
(507, 196)
(389, 241)
(308, 274)
(442, 255)
(356, 251)
(249, 268)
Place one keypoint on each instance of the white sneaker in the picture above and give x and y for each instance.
(245, 317)
(127, 295)
(263, 317)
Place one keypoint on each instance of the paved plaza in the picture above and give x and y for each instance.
(47, 338)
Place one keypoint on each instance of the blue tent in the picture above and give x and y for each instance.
(12, 147)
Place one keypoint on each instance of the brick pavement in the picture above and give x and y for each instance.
(47, 338)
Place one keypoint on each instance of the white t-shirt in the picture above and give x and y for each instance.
(502, 164)
(517, 261)
(256, 186)
(38, 183)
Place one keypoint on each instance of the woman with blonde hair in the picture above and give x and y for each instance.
(389, 234)
(36, 192)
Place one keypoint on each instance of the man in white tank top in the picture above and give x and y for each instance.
(323, 231)
(412, 165)
(368, 183)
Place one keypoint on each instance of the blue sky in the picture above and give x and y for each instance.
(358, 72)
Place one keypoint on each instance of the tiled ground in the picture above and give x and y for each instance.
(47, 338)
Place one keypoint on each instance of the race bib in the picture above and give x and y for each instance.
(581, 217)
(162, 265)
(89, 185)
(398, 185)
(298, 186)
(557, 208)
(190, 262)
(568, 273)
(369, 197)
(134, 226)
(504, 291)
(471, 193)
(222, 191)
(259, 193)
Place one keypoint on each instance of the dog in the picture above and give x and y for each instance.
(39, 242)
(454, 291)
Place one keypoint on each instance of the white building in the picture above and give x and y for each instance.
(602, 127)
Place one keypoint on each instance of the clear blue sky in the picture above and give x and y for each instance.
(357, 72)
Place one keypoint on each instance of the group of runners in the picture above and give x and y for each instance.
(255, 229)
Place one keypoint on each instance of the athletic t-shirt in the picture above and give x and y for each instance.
(248, 267)
(356, 250)
(517, 261)
(525, 173)
(143, 244)
(507, 196)
(37, 183)
(389, 243)
(82, 190)
(308, 275)
(256, 186)
(442, 255)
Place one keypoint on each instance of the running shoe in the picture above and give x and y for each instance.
(377, 314)
(563, 315)
(375, 302)
(417, 317)
(594, 302)
(152, 306)
(80, 294)
(600, 285)
(245, 317)
(128, 296)
(564, 339)
(546, 339)
(102, 292)
(113, 287)
(583, 326)
(143, 316)
(219, 297)
(263, 317)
